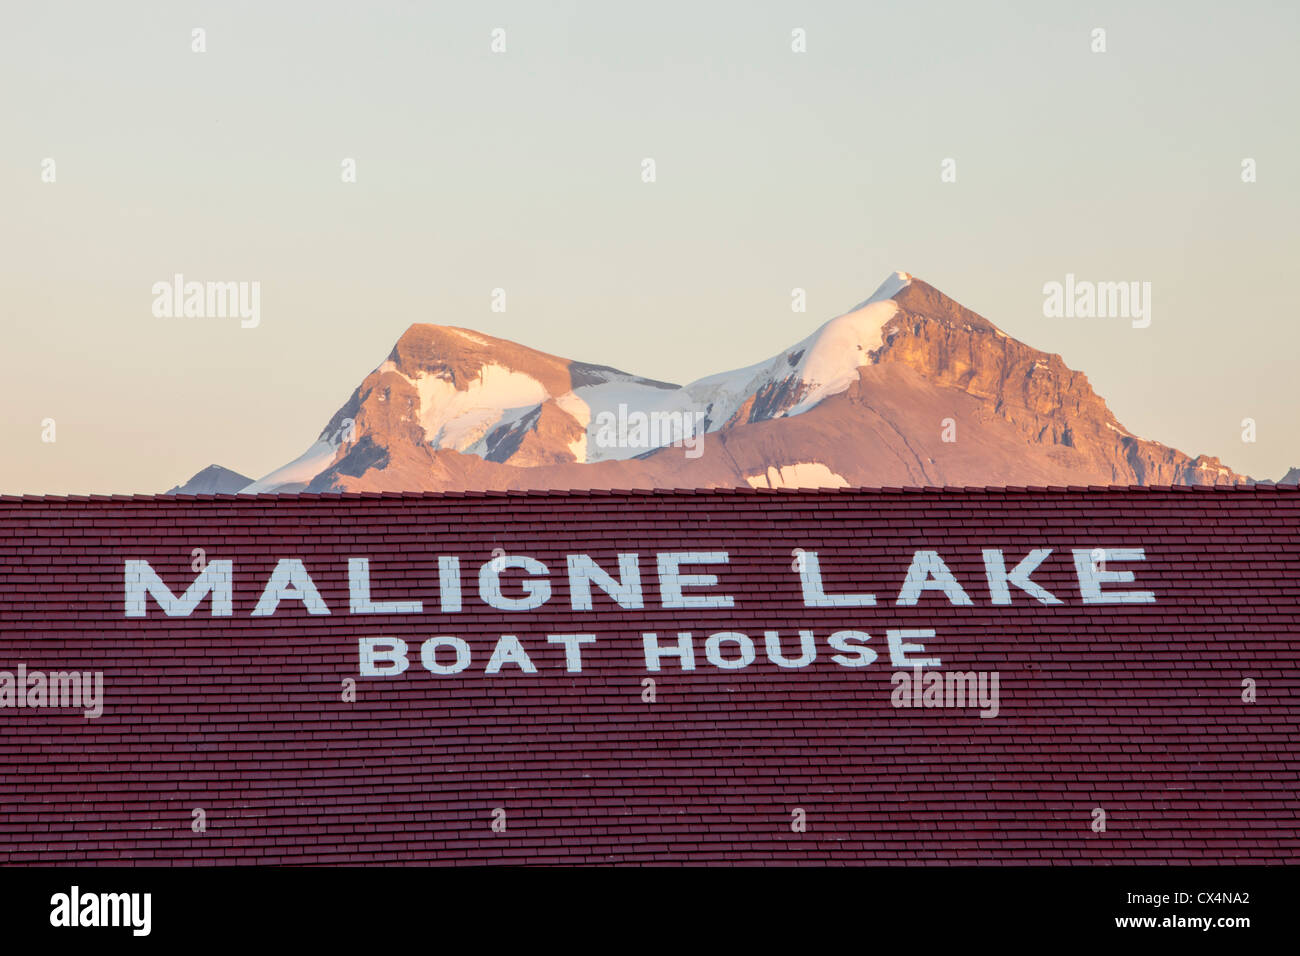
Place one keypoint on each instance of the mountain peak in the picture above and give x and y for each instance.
(894, 283)
(428, 334)
(212, 480)
(462, 357)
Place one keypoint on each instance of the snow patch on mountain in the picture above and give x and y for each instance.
(299, 471)
(823, 364)
(801, 474)
(893, 285)
(472, 336)
(839, 349)
(457, 418)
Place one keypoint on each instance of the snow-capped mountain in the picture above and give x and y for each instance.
(906, 388)
(213, 480)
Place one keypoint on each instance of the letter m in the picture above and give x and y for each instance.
(119, 905)
(216, 578)
(1115, 295)
(222, 298)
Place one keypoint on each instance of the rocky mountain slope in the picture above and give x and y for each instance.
(907, 388)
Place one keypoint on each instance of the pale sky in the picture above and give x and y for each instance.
(522, 170)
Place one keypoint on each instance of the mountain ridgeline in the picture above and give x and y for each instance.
(909, 388)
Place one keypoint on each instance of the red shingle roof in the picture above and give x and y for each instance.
(1134, 709)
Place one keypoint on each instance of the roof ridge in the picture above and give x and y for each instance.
(649, 492)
